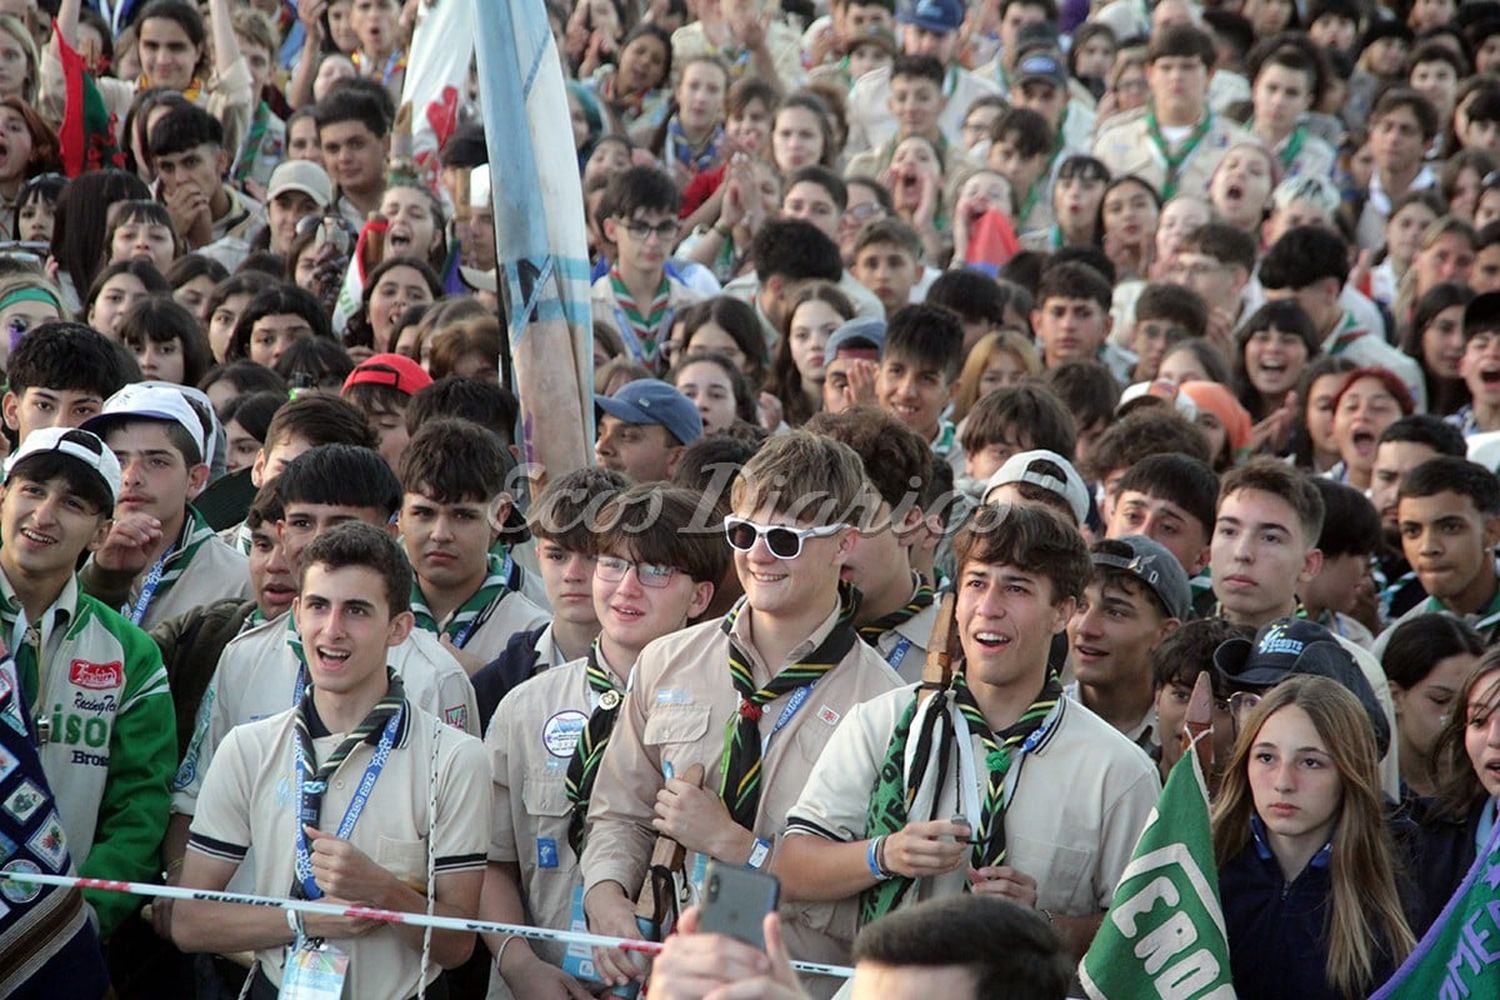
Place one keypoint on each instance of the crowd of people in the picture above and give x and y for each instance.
(1163, 337)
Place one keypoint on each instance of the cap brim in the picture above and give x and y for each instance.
(621, 410)
(317, 196)
(1232, 659)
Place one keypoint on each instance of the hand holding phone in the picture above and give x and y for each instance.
(736, 901)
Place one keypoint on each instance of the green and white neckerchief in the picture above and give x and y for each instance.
(740, 765)
(583, 768)
(27, 653)
(920, 601)
(259, 123)
(1178, 159)
(460, 625)
(947, 437)
(1483, 621)
(1291, 148)
(644, 322)
(163, 576)
(1344, 335)
(896, 789)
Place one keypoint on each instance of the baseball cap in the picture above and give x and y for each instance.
(1036, 35)
(1153, 565)
(479, 187)
(1164, 390)
(1020, 468)
(395, 370)
(1041, 65)
(1290, 646)
(85, 446)
(140, 401)
(874, 35)
(858, 336)
(652, 401)
(941, 16)
(301, 175)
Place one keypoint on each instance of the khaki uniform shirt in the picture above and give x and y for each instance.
(246, 801)
(872, 126)
(1074, 805)
(1124, 146)
(217, 571)
(783, 41)
(515, 613)
(676, 714)
(904, 647)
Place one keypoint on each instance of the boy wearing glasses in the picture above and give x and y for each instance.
(639, 295)
(652, 575)
(752, 697)
(454, 476)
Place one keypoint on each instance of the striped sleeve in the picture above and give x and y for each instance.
(219, 850)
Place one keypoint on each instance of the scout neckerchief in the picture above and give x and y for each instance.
(394, 63)
(459, 626)
(947, 437)
(743, 749)
(1175, 161)
(28, 656)
(583, 768)
(1292, 148)
(920, 601)
(1344, 335)
(379, 728)
(192, 93)
(680, 147)
(896, 790)
(1043, 179)
(253, 138)
(169, 568)
(1482, 621)
(644, 322)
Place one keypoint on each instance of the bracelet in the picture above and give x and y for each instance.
(294, 921)
(1047, 914)
(873, 857)
(500, 955)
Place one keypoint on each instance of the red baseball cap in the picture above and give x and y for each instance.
(396, 370)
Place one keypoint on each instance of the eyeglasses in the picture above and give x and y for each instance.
(664, 231)
(654, 575)
(781, 541)
(864, 211)
(1241, 704)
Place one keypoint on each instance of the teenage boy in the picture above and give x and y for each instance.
(1165, 315)
(1170, 499)
(850, 360)
(888, 262)
(914, 383)
(788, 253)
(1402, 126)
(653, 575)
(1403, 446)
(380, 387)
(1071, 318)
(413, 847)
(1008, 421)
(915, 103)
(1147, 430)
(59, 376)
(1175, 141)
(455, 477)
(264, 143)
(1449, 516)
(896, 608)
(643, 429)
(1042, 85)
(1309, 264)
(1287, 84)
(1480, 366)
(1217, 260)
(1089, 392)
(718, 694)
(929, 28)
(1137, 597)
(94, 683)
(638, 295)
(1022, 151)
(1040, 478)
(1020, 577)
(1265, 548)
(297, 189)
(187, 148)
(1341, 596)
(354, 132)
(562, 521)
(159, 542)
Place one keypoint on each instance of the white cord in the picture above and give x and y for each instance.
(437, 731)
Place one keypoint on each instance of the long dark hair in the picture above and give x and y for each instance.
(78, 232)
(1285, 316)
(1444, 395)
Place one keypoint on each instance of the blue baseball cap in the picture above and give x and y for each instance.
(939, 16)
(652, 401)
(862, 333)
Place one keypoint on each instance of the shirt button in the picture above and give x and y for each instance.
(338, 784)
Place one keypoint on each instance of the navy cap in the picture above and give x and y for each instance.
(1289, 646)
(1041, 65)
(860, 333)
(940, 16)
(652, 401)
(1153, 565)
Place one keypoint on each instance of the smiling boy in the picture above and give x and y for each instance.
(59, 376)
(1480, 366)
(918, 366)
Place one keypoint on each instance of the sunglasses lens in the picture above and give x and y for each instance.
(783, 543)
(740, 535)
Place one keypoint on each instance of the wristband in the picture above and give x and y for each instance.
(723, 230)
(872, 858)
(294, 921)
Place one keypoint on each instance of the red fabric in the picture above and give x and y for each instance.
(701, 188)
(993, 241)
(70, 132)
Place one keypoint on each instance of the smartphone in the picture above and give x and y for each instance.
(736, 901)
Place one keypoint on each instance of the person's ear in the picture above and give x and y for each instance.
(399, 628)
(674, 455)
(197, 480)
(610, 228)
(1203, 556)
(1168, 626)
(96, 540)
(1312, 564)
(258, 469)
(1062, 613)
(1492, 531)
(703, 596)
(11, 406)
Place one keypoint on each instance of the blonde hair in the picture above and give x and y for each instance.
(16, 28)
(966, 394)
(1364, 913)
(812, 477)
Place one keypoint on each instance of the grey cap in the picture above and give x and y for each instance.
(1153, 565)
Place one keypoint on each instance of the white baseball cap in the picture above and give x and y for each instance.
(85, 446)
(150, 402)
(301, 175)
(1021, 468)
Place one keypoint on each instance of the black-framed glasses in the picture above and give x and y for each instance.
(654, 575)
(664, 231)
(782, 541)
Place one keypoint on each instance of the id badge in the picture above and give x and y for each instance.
(314, 971)
(578, 959)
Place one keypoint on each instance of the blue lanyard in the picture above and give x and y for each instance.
(461, 637)
(898, 653)
(797, 700)
(306, 815)
(148, 591)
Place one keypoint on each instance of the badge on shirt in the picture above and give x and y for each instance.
(828, 715)
(560, 733)
(546, 852)
(314, 972)
(609, 700)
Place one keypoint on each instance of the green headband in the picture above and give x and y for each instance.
(31, 293)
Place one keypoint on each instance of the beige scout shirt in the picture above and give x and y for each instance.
(246, 801)
(255, 679)
(515, 613)
(1124, 146)
(871, 124)
(784, 43)
(216, 571)
(905, 646)
(676, 714)
(530, 743)
(1074, 805)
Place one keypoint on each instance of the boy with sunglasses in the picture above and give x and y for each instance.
(752, 697)
(549, 734)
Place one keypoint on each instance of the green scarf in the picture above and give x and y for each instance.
(459, 626)
(895, 790)
(741, 761)
(1175, 161)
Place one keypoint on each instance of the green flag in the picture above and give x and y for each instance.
(1164, 933)
(1459, 956)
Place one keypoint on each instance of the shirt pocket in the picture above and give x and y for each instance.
(1066, 883)
(405, 859)
(675, 724)
(548, 811)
